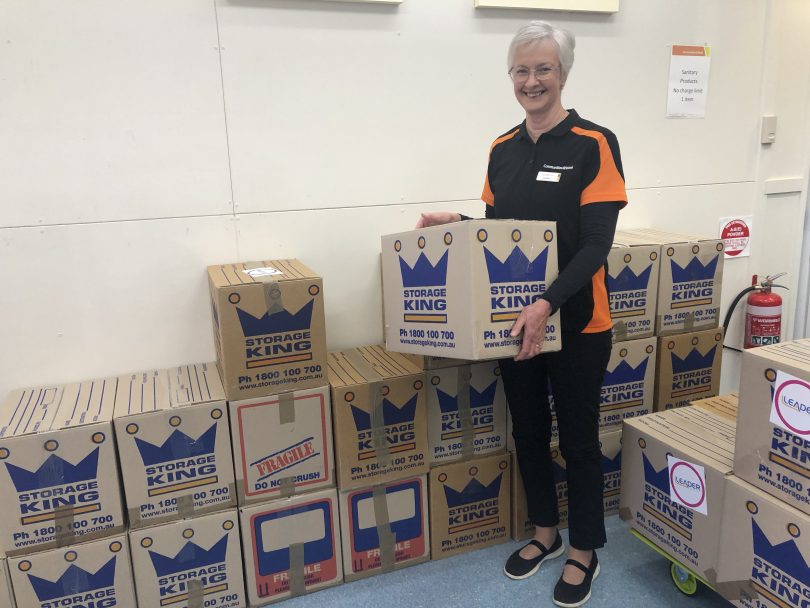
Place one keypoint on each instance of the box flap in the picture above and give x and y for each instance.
(86, 403)
(360, 365)
(30, 410)
(142, 392)
(248, 273)
(194, 384)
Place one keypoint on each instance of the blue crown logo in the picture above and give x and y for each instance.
(517, 268)
(627, 280)
(423, 273)
(785, 556)
(693, 361)
(74, 581)
(55, 471)
(625, 373)
(276, 323)
(473, 492)
(178, 445)
(448, 403)
(190, 557)
(694, 270)
(612, 465)
(391, 414)
(657, 479)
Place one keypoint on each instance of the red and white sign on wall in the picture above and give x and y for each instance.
(736, 235)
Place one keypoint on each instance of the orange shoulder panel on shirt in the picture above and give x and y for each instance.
(608, 185)
(487, 196)
(601, 309)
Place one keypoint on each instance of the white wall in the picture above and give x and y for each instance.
(142, 141)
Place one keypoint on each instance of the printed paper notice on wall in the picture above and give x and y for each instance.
(688, 81)
(736, 235)
(687, 484)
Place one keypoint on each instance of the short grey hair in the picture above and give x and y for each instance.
(536, 31)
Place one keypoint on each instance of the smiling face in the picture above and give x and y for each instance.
(539, 97)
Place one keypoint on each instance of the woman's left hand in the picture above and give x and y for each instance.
(532, 321)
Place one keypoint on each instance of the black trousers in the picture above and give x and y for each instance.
(575, 375)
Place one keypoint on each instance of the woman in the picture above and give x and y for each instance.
(557, 166)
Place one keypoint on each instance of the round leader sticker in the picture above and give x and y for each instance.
(736, 235)
(792, 404)
(687, 484)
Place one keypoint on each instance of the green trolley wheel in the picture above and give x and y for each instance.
(684, 580)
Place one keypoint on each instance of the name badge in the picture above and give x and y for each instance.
(548, 176)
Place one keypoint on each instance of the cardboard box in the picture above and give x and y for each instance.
(455, 290)
(6, 595)
(378, 403)
(173, 443)
(282, 444)
(688, 368)
(674, 469)
(291, 546)
(269, 327)
(628, 388)
(59, 474)
(611, 444)
(633, 290)
(722, 405)
(773, 450)
(384, 527)
(469, 505)
(764, 550)
(95, 573)
(466, 412)
(183, 562)
(690, 281)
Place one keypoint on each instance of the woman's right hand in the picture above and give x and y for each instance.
(436, 218)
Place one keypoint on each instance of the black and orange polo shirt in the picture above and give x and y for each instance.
(577, 163)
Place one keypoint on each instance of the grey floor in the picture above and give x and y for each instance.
(632, 575)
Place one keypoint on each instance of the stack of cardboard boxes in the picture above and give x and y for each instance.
(722, 489)
(269, 331)
(679, 278)
(174, 449)
(64, 528)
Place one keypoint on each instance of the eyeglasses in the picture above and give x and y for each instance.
(521, 74)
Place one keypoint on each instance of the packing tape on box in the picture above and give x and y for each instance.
(710, 575)
(463, 376)
(185, 505)
(619, 331)
(375, 385)
(64, 520)
(296, 573)
(286, 487)
(196, 593)
(286, 407)
(386, 537)
(625, 514)
(273, 300)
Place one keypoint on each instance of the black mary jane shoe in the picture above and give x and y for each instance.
(572, 596)
(518, 567)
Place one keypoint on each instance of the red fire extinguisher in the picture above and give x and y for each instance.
(763, 314)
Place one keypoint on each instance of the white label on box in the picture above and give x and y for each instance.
(262, 272)
(282, 532)
(401, 506)
(687, 484)
(790, 408)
